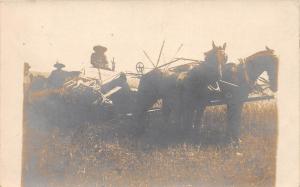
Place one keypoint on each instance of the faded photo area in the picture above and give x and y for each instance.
(149, 93)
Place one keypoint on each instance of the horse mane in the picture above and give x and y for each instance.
(267, 52)
(249, 61)
(210, 52)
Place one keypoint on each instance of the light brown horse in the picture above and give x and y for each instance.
(247, 72)
(244, 75)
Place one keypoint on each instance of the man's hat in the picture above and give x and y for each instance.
(99, 48)
(59, 65)
(26, 65)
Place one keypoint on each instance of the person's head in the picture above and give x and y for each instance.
(123, 76)
(26, 66)
(217, 57)
(58, 65)
(99, 49)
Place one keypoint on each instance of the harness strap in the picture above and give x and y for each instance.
(245, 73)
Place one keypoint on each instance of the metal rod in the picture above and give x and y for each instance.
(251, 99)
(99, 74)
(263, 80)
(231, 84)
(179, 48)
(147, 56)
(220, 102)
(188, 59)
(168, 63)
(177, 51)
(160, 53)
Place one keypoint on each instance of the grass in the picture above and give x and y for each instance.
(104, 154)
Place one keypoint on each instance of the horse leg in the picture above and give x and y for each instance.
(198, 122)
(166, 110)
(234, 113)
(187, 109)
(143, 105)
(187, 118)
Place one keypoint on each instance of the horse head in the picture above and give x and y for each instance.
(264, 61)
(272, 71)
(217, 58)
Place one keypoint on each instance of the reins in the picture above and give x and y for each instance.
(245, 73)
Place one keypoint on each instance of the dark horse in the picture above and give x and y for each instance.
(177, 89)
(245, 76)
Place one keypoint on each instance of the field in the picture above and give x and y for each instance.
(104, 154)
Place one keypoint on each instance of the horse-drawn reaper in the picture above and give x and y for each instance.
(185, 90)
(89, 95)
(113, 91)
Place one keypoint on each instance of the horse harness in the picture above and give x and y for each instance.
(246, 76)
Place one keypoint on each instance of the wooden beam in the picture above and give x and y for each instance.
(160, 52)
(250, 99)
(147, 56)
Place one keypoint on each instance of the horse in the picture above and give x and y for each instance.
(244, 75)
(247, 73)
(176, 89)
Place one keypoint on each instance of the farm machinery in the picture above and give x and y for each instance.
(115, 92)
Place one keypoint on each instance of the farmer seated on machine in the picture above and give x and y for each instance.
(98, 58)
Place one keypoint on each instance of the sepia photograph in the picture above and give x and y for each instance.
(149, 93)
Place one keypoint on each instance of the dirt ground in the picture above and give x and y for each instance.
(66, 152)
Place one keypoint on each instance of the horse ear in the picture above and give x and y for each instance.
(241, 60)
(224, 46)
(270, 50)
(213, 44)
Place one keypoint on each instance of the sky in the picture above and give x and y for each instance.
(42, 33)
